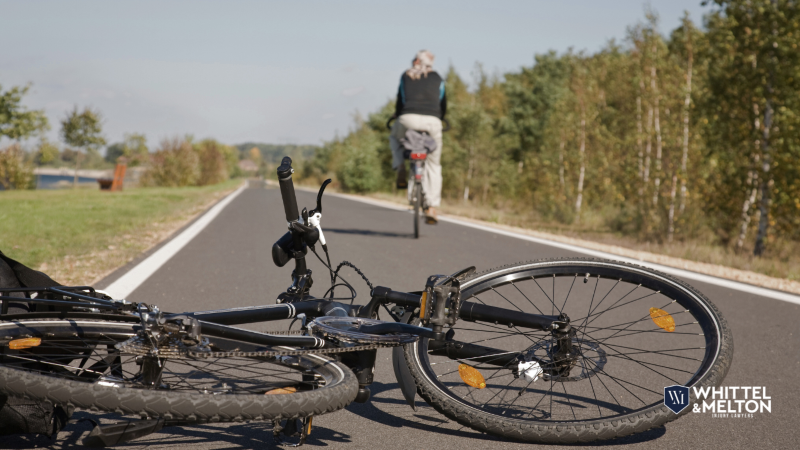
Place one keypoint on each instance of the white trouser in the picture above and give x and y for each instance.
(432, 178)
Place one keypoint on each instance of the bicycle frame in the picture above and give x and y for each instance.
(441, 308)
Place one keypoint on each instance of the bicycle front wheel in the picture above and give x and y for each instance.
(636, 331)
(76, 362)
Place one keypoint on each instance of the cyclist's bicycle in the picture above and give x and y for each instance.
(549, 351)
(417, 196)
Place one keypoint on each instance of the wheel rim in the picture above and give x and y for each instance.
(84, 351)
(625, 361)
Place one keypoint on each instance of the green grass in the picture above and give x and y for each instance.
(47, 226)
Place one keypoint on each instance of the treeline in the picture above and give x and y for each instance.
(183, 162)
(175, 162)
(688, 135)
(273, 153)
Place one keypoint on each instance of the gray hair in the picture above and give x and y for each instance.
(421, 65)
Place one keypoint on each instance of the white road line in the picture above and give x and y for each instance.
(730, 284)
(127, 283)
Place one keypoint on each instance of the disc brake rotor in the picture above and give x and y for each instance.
(591, 361)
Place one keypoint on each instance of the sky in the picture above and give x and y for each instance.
(277, 72)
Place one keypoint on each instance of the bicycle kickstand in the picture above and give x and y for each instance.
(294, 428)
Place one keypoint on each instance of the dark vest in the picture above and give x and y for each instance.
(422, 96)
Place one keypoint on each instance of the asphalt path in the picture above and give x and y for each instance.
(229, 264)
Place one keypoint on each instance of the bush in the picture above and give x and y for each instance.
(361, 170)
(213, 168)
(175, 163)
(15, 173)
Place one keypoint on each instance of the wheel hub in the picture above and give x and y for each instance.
(590, 359)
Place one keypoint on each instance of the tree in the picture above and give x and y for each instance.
(752, 104)
(84, 131)
(47, 152)
(133, 148)
(16, 122)
(114, 152)
(255, 155)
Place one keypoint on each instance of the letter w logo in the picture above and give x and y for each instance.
(676, 398)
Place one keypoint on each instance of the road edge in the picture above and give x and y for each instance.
(128, 280)
(511, 232)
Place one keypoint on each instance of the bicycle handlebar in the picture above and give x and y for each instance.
(287, 189)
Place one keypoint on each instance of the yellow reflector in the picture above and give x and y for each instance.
(471, 376)
(20, 344)
(662, 319)
(286, 390)
(422, 304)
(308, 431)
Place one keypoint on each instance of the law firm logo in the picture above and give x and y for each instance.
(676, 398)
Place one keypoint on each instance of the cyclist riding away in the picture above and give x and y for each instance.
(421, 106)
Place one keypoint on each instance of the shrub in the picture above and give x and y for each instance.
(175, 163)
(15, 173)
(361, 170)
(213, 167)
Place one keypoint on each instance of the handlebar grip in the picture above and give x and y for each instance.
(287, 189)
(396, 297)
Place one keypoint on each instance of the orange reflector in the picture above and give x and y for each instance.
(20, 344)
(662, 319)
(308, 431)
(422, 304)
(471, 376)
(286, 390)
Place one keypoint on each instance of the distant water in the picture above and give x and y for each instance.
(53, 181)
(60, 181)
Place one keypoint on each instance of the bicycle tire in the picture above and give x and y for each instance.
(53, 373)
(417, 198)
(446, 396)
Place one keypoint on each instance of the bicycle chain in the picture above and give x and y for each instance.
(312, 351)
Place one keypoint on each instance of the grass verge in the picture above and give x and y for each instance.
(79, 236)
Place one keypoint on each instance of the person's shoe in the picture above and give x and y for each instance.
(402, 177)
(430, 216)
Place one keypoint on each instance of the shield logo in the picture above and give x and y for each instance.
(676, 398)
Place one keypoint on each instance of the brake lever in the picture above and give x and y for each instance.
(318, 209)
(310, 233)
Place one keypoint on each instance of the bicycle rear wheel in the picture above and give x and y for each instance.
(637, 331)
(416, 199)
(75, 362)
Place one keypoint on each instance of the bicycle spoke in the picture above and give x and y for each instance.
(552, 311)
(509, 301)
(526, 298)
